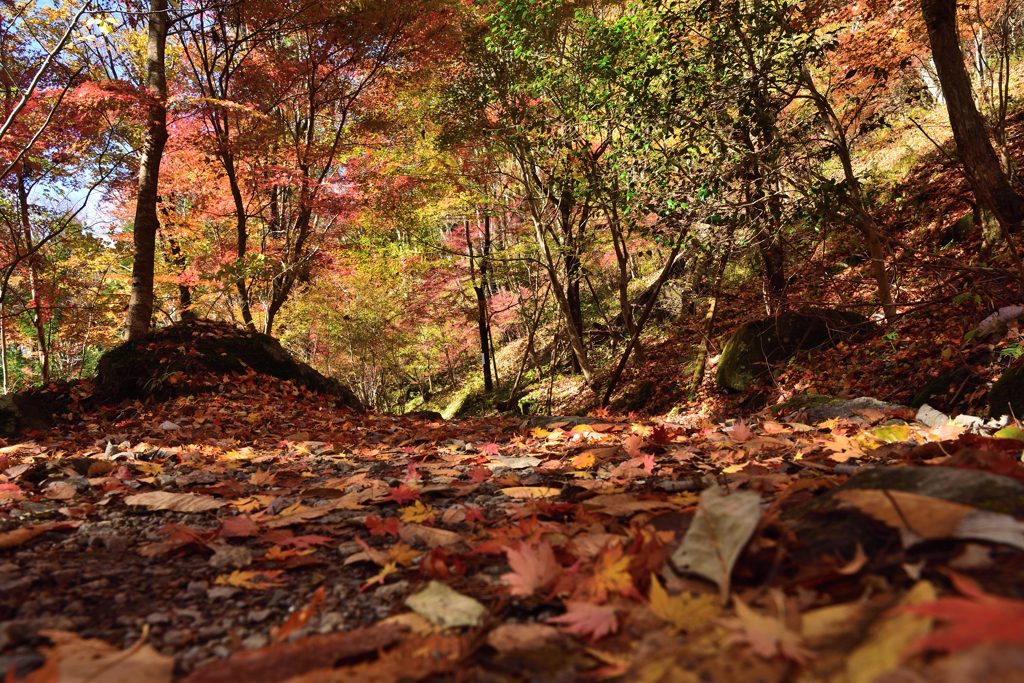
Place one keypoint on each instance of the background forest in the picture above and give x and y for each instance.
(453, 204)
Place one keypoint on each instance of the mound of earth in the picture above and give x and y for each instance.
(191, 356)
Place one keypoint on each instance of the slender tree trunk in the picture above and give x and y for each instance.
(617, 374)
(481, 308)
(3, 342)
(184, 291)
(863, 219)
(979, 159)
(33, 278)
(709, 317)
(140, 306)
(241, 237)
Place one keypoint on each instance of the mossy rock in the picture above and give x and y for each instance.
(181, 358)
(643, 395)
(25, 410)
(803, 402)
(938, 386)
(1006, 397)
(757, 344)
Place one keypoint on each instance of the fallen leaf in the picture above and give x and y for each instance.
(445, 607)
(890, 636)
(521, 637)
(767, 636)
(533, 569)
(253, 580)
(684, 612)
(740, 432)
(530, 491)
(77, 660)
(587, 619)
(717, 535)
(178, 502)
(971, 620)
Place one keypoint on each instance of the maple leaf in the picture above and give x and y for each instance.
(768, 637)
(403, 494)
(587, 619)
(612, 573)
(662, 435)
(740, 432)
(240, 526)
(648, 462)
(416, 513)
(533, 569)
(411, 474)
(977, 618)
(261, 478)
(378, 527)
(307, 541)
(479, 474)
(682, 611)
(250, 579)
(488, 448)
(633, 445)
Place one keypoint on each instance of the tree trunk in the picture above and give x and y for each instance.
(33, 277)
(140, 306)
(979, 159)
(241, 238)
(481, 309)
(184, 291)
(709, 317)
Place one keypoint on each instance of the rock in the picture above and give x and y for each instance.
(256, 641)
(222, 592)
(930, 417)
(1006, 397)
(938, 386)
(552, 421)
(23, 411)
(757, 344)
(231, 556)
(838, 408)
(431, 415)
(145, 367)
(642, 396)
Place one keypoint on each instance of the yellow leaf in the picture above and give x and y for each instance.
(889, 637)
(682, 611)
(386, 570)
(530, 491)
(416, 513)
(248, 579)
(404, 554)
(583, 460)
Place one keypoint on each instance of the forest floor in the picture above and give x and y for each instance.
(248, 530)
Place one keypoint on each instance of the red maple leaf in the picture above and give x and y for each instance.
(241, 526)
(479, 474)
(378, 527)
(488, 448)
(662, 435)
(587, 619)
(977, 618)
(403, 494)
(533, 569)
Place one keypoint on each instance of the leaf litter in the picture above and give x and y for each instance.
(275, 536)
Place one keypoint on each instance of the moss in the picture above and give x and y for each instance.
(757, 344)
(203, 349)
(1006, 397)
(804, 401)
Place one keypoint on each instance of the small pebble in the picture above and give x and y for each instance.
(255, 641)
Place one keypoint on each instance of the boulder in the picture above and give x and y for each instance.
(757, 344)
(1006, 397)
(23, 411)
(180, 358)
